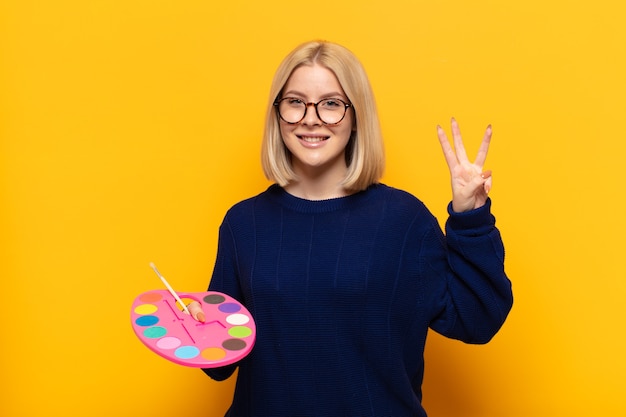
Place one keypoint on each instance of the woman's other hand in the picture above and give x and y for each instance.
(196, 311)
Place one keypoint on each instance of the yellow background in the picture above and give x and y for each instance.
(129, 127)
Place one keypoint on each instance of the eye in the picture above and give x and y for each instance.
(293, 101)
(332, 103)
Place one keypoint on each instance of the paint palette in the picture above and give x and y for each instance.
(227, 335)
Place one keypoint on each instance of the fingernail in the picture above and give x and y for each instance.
(200, 317)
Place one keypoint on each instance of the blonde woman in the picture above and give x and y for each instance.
(344, 275)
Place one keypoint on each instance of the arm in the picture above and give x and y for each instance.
(475, 293)
(224, 279)
(478, 293)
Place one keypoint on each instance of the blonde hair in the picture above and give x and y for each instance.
(365, 153)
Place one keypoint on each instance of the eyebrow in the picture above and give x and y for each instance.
(289, 93)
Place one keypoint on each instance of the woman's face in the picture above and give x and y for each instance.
(315, 146)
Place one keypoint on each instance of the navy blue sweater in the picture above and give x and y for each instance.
(343, 292)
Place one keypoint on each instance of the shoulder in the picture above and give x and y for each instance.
(246, 208)
(400, 199)
(399, 207)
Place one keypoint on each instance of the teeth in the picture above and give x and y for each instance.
(313, 139)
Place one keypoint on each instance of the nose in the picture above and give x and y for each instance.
(310, 115)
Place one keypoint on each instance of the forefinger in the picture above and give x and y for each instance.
(448, 152)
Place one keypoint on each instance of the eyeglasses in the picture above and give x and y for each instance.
(330, 111)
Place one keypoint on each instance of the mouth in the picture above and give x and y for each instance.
(313, 138)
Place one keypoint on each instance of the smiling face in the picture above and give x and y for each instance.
(316, 148)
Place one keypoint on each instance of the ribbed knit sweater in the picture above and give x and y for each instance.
(343, 292)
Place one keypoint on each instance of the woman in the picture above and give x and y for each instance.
(344, 275)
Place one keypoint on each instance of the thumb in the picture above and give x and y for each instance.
(488, 181)
(196, 311)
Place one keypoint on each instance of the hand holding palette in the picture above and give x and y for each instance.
(160, 319)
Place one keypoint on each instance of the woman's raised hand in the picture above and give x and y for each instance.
(470, 184)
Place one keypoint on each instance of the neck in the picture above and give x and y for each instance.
(313, 192)
(322, 185)
(319, 182)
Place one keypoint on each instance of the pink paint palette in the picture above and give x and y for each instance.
(227, 335)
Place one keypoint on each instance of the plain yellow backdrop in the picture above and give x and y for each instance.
(128, 128)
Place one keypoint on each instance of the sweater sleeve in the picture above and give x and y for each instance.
(225, 280)
(476, 296)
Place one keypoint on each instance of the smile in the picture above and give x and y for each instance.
(313, 139)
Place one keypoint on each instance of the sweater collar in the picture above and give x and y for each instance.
(291, 202)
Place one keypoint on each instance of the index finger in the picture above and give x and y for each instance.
(448, 152)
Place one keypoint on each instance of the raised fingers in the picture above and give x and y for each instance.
(481, 156)
(448, 152)
(458, 142)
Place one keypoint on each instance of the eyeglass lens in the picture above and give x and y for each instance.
(330, 110)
